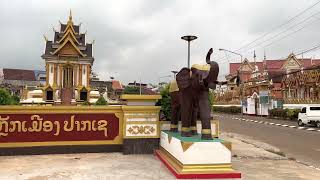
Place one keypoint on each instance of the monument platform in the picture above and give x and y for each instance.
(192, 157)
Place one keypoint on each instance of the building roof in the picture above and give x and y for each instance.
(116, 85)
(274, 65)
(68, 41)
(19, 74)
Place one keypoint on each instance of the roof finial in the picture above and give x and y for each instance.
(70, 16)
(264, 55)
(254, 56)
(45, 38)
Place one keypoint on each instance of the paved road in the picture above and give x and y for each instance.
(298, 143)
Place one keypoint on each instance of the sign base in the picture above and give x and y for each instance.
(192, 157)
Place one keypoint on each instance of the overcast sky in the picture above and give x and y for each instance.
(141, 38)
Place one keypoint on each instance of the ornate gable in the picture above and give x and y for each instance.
(291, 63)
(246, 66)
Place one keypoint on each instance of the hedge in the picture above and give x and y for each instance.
(291, 114)
(230, 109)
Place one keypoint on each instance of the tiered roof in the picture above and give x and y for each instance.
(68, 42)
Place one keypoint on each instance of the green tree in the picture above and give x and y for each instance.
(5, 97)
(165, 102)
(131, 90)
(101, 101)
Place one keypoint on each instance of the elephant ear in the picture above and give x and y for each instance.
(183, 78)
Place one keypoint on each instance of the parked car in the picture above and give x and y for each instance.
(309, 115)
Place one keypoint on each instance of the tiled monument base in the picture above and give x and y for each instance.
(192, 157)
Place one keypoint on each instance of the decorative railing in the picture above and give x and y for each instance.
(301, 101)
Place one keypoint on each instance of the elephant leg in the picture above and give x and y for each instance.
(194, 121)
(205, 110)
(186, 111)
(175, 111)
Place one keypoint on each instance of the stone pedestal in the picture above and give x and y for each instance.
(192, 157)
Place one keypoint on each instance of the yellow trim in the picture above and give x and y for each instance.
(142, 122)
(59, 109)
(65, 35)
(194, 168)
(173, 125)
(202, 67)
(186, 145)
(138, 97)
(193, 127)
(227, 144)
(216, 122)
(117, 140)
(72, 43)
(206, 131)
(185, 129)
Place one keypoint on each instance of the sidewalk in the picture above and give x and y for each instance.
(249, 157)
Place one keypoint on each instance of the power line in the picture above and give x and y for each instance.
(277, 27)
(281, 25)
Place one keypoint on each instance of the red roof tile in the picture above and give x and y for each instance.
(116, 85)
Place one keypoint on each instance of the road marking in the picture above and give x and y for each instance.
(310, 129)
(276, 124)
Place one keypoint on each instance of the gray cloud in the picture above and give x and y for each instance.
(141, 38)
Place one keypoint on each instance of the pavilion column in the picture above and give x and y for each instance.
(55, 75)
(88, 75)
(60, 75)
(80, 74)
(47, 74)
(75, 72)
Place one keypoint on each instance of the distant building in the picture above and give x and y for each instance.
(144, 88)
(15, 80)
(268, 84)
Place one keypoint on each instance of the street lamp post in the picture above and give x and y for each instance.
(174, 74)
(189, 38)
(221, 49)
(241, 85)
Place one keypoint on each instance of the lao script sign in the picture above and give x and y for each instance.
(75, 128)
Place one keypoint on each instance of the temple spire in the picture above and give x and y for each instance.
(70, 16)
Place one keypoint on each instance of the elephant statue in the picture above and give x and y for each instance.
(194, 87)
(175, 105)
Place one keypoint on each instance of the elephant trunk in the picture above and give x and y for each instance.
(209, 55)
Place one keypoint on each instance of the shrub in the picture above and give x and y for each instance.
(15, 99)
(101, 101)
(5, 97)
(165, 103)
(230, 109)
(291, 114)
(86, 103)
